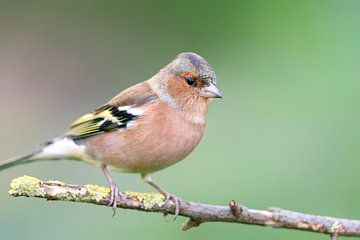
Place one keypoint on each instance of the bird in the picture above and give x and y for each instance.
(145, 128)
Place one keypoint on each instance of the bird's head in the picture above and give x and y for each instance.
(187, 81)
(192, 74)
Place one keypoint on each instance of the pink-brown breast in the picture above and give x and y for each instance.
(158, 139)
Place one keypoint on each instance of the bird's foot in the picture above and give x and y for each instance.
(115, 197)
(176, 201)
(168, 196)
(115, 194)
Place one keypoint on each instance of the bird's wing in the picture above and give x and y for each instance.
(104, 119)
(116, 114)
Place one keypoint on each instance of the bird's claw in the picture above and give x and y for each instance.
(115, 197)
(176, 202)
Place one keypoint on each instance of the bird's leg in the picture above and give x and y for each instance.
(115, 195)
(168, 196)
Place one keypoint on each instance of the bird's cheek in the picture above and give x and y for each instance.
(179, 91)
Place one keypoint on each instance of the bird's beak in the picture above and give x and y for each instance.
(210, 91)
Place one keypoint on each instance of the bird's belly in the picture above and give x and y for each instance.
(146, 153)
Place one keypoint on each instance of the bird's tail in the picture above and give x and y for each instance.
(56, 149)
(8, 163)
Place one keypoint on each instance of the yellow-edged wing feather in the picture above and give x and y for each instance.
(104, 119)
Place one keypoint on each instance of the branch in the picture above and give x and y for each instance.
(197, 213)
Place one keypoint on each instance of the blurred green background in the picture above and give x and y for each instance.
(285, 134)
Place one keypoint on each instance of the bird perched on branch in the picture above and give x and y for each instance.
(143, 129)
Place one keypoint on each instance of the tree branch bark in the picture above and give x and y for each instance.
(197, 213)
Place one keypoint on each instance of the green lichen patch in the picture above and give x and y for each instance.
(147, 200)
(68, 197)
(26, 186)
(97, 193)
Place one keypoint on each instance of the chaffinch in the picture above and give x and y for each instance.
(143, 129)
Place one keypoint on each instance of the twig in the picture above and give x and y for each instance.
(197, 213)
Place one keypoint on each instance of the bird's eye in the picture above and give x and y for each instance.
(190, 81)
